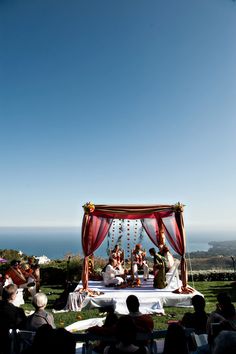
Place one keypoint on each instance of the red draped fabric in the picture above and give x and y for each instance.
(152, 229)
(175, 234)
(152, 226)
(96, 224)
(94, 230)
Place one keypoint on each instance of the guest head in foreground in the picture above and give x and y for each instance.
(9, 292)
(198, 303)
(132, 303)
(175, 340)
(40, 301)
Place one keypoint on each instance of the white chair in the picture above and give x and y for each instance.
(172, 276)
(19, 300)
(20, 340)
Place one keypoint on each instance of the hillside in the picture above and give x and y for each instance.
(221, 255)
(218, 248)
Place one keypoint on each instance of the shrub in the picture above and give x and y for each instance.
(212, 276)
(60, 271)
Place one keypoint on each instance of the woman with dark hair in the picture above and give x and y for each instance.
(126, 335)
(175, 340)
(159, 273)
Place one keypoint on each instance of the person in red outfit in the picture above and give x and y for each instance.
(17, 275)
(20, 277)
(118, 255)
(144, 322)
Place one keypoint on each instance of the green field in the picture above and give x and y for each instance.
(208, 289)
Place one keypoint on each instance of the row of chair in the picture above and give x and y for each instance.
(21, 339)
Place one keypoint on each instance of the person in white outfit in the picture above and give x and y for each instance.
(110, 276)
(139, 261)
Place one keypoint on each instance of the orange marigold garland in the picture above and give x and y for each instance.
(128, 239)
(89, 207)
(179, 207)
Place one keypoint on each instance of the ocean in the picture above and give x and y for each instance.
(59, 242)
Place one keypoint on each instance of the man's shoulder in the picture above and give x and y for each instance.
(7, 306)
(20, 312)
(215, 316)
(146, 316)
(37, 316)
(41, 313)
(144, 321)
(3, 304)
(187, 319)
(189, 315)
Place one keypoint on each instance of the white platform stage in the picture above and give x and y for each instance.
(151, 300)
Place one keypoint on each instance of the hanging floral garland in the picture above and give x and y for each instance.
(128, 238)
(89, 207)
(108, 243)
(135, 231)
(113, 234)
(141, 234)
(179, 207)
(120, 232)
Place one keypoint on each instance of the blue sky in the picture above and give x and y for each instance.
(123, 101)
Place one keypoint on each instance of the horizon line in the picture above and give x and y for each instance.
(41, 226)
(195, 227)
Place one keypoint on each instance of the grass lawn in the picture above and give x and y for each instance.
(208, 289)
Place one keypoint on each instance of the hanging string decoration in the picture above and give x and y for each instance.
(141, 234)
(135, 231)
(120, 232)
(128, 238)
(113, 234)
(108, 243)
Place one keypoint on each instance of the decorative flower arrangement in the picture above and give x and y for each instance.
(89, 207)
(179, 207)
(130, 283)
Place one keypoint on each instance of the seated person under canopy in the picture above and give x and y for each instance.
(139, 262)
(118, 255)
(110, 276)
(158, 270)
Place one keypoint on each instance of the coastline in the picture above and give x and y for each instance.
(58, 242)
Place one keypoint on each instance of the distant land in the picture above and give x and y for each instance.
(221, 256)
(218, 248)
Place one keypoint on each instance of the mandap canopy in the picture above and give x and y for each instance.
(154, 218)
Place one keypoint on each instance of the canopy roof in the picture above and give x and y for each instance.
(131, 211)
